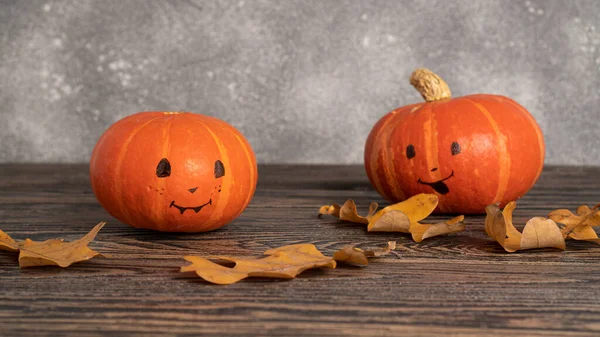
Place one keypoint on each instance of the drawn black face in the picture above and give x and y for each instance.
(163, 170)
(440, 185)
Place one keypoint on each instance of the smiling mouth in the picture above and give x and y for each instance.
(183, 209)
(439, 186)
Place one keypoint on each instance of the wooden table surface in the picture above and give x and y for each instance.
(460, 284)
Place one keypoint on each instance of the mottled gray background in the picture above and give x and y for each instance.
(303, 80)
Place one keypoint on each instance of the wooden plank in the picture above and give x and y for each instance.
(461, 284)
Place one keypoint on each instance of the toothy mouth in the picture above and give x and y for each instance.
(439, 186)
(183, 209)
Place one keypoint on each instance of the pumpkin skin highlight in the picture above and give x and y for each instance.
(128, 171)
(501, 152)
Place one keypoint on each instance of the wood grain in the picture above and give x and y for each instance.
(462, 284)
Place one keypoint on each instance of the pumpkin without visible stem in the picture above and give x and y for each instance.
(471, 151)
(173, 171)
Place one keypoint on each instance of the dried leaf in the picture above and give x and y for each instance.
(377, 252)
(578, 227)
(348, 211)
(541, 233)
(7, 243)
(416, 208)
(421, 232)
(283, 262)
(358, 257)
(333, 210)
(538, 232)
(391, 221)
(351, 255)
(402, 217)
(53, 252)
(405, 216)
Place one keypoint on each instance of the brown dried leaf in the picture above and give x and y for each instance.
(402, 217)
(578, 227)
(358, 257)
(283, 262)
(53, 252)
(538, 232)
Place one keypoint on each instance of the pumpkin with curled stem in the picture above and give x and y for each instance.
(173, 171)
(472, 151)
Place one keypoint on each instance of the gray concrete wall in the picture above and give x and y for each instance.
(303, 80)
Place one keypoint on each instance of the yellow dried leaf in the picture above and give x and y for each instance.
(333, 210)
(351, 255)
(417, 207)
(578, 227)
(7, 243)
(402, 217)
(377, 252)
(53, 252)
(358, 257)
(391, 221)
(348, 211)
(538, 232)
(283, 262)
(421, 232)
(541, 233)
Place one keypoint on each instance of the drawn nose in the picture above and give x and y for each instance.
(434, 169)
(192, 190)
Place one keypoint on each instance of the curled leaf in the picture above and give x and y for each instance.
(53, 252)
(7, 243)
(348, 211)
(283, 262)
(351, 255)
(333, 210)
(578, 227)
(377, 252)
(358, 257)
(416, 208)
(538, 232)
(421, 232)
(401, 217)
(391, 221)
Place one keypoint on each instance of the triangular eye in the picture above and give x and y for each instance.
(163, 169)
(455, 148)
(219, 169)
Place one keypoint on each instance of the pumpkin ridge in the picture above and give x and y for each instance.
(388, 167)
(252, 171)
(119, 167)
(504, 158)
(227, 183)
(165, 150)
(538, 133)
(374, 153)
(431, 144)
(440, 173)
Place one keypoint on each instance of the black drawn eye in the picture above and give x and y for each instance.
(410, 151)
(219, 169)
(455, 148)
(163, 169)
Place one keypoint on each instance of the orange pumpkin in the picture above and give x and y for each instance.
(173, 172)
(471, 151)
